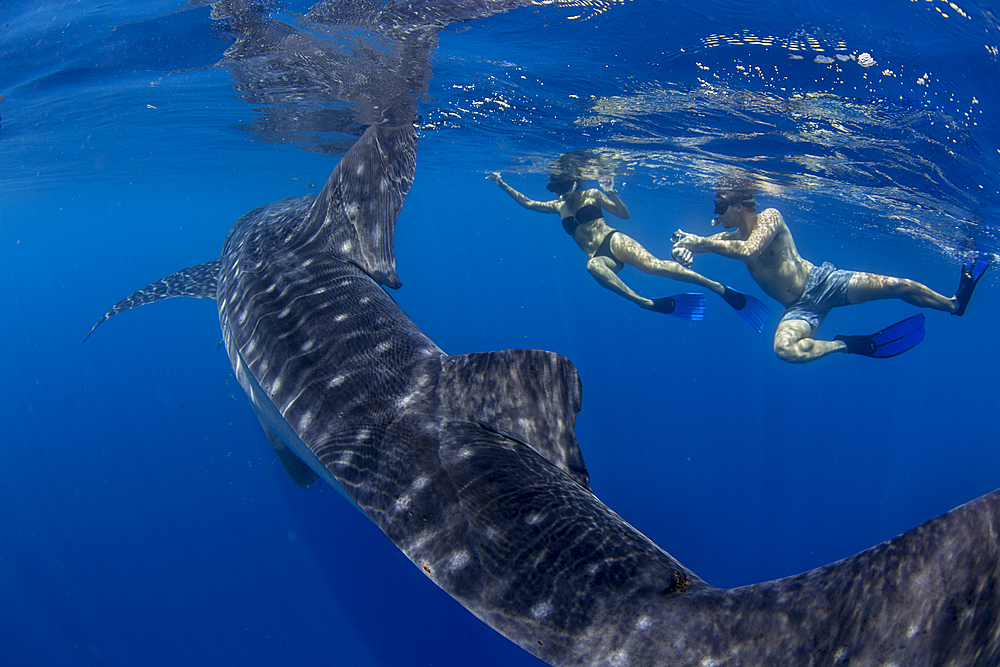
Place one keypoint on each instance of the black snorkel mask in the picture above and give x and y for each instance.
(561, 186)
(722, 204)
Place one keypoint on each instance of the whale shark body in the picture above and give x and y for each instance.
(470, 464)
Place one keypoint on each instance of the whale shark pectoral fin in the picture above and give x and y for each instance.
(197, 281)
(301, 474)
(532, 396)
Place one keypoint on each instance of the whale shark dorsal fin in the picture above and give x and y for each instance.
(199, 281)
(532, 396)
(355, 214)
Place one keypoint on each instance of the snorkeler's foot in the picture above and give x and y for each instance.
(972, 271)
(752, 310)
(889, 342)
(689, 306)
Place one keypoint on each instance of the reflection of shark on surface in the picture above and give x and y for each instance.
(470, 465)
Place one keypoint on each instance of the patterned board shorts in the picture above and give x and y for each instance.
(826, 289)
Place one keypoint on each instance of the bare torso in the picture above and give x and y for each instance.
(588, 235)
(778, 268)
(589, 232)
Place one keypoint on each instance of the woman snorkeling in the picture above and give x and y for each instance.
(609, 250)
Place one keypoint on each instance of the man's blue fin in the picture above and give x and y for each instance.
(972, 271)
(889, 342)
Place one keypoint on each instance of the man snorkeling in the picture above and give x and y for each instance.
(609, 250)
(808, 292)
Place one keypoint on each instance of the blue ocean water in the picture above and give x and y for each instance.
(144, 518)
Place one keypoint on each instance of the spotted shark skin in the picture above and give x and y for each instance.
(470, 465)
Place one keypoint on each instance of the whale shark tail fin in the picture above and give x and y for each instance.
(354, 216)
(531, 396)
(195, 281)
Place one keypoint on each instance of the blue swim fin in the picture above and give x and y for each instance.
(889, 342)
(689, 306)
(753, 311)
(972, 271)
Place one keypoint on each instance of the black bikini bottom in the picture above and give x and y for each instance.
(605, 251)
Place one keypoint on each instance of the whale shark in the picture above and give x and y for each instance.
(470, 464)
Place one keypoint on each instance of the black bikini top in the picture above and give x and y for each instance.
(585, 214)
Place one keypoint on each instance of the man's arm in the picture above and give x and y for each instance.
(768, 226)
(683, 255)
(523, 200)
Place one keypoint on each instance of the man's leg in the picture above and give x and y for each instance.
(793, 342)
(630, 251)
(871, 287)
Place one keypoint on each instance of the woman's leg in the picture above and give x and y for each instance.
(630, 251)
(602, 270)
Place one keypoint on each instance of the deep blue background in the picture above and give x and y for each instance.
(143, 518)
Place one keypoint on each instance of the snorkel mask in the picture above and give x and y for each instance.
(730, 198)
(560, 185)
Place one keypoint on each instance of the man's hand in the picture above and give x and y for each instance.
(493, 176)
(682, 256)
(685, 240)
(684, 246)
